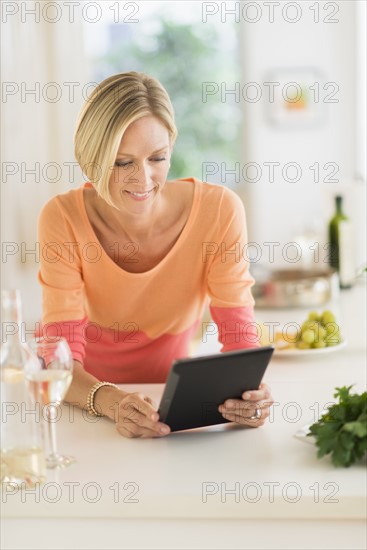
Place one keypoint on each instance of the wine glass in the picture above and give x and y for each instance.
(49, 386)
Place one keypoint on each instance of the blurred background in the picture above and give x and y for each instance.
(269, 97)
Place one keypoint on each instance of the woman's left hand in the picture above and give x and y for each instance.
(252, 410)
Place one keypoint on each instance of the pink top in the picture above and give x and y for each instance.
(129, 327)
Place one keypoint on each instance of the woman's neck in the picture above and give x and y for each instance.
(136, 227)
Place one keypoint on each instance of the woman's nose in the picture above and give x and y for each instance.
(143, 175)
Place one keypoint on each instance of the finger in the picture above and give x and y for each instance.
(256, 395)
(265, 387)
(244, 408)
(144, 422)
(238, 418)
(133, 430)
(234, 405)
(150, 401)
(138, 401)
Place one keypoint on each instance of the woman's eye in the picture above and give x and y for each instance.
(129, 163)
(123, 164)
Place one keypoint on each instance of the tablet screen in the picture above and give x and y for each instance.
(197, 386)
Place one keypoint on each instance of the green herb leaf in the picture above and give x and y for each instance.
(357, 428)
(342, 430)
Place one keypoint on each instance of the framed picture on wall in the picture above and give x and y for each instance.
(297, 97)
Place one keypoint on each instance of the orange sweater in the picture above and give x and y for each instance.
(129, 327)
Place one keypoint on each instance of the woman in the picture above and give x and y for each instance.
(130, 259)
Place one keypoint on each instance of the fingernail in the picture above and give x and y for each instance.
(164, 430)
(246, 395)
(229, 404)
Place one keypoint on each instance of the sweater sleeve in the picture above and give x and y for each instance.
(61, 279)
(229, 280)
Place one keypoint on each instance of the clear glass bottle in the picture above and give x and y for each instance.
(22, 455)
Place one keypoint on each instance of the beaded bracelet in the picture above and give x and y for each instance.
(90, 399)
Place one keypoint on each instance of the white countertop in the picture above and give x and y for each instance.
(191, 474)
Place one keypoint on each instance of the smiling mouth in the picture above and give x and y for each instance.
(140, 195)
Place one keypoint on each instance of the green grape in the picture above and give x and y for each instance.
(314, 316)
(313, 325)
(303, 345)
(308, 336)
(320, 332)
(331, 328)
(319, 344)
(327, 317)
(309, 325)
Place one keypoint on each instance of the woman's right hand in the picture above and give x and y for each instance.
(137, 417)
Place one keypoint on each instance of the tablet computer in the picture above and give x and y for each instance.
(197, 386)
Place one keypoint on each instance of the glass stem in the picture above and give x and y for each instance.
(51, 417)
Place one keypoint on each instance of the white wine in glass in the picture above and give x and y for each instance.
(49, 386)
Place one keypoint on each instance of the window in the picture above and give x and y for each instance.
(193, 60)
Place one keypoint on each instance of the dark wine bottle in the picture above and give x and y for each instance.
(341, 245)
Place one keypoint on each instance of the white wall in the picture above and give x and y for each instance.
(279, 211)
(35, 130)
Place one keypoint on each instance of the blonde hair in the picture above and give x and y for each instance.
(116, 102)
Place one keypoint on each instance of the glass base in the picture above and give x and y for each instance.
(28, 482)
(59, 461)
(22, 466)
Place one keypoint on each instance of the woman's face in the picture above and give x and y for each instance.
(141, 166)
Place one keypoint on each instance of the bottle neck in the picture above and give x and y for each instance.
(11, 323)
(339, 205)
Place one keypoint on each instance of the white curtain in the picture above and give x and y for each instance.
(37, 130)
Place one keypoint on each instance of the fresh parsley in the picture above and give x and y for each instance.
(342, 430)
